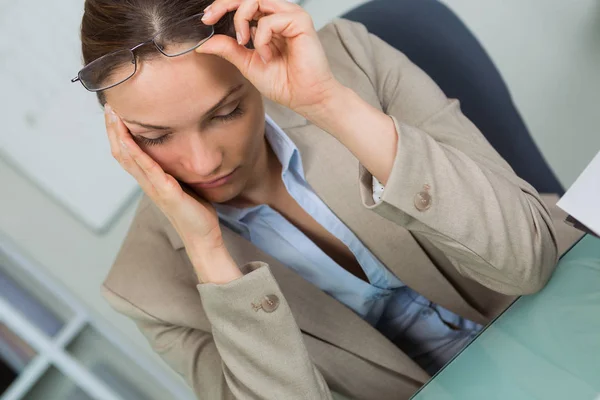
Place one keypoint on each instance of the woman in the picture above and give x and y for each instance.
(303, 290)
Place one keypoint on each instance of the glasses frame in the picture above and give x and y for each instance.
(134, 59)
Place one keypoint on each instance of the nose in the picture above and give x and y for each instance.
(201, 158)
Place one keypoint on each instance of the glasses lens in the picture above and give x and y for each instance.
(183, 36)
(108, 71)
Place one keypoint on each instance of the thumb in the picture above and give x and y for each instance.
(228, 49)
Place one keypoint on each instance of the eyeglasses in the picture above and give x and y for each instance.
(115, 68)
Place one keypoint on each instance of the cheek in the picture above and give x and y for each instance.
(254, 127)
(251, 139)
(165, 156)
(242, 139)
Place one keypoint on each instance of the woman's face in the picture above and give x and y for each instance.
(199, 118)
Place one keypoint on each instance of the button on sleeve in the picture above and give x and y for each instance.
(268, 304)
(423, 199)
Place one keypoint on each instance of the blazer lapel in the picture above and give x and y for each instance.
(326, 163)
(316, 313)
(284, 117)
(333, 172)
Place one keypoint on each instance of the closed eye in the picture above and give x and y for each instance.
(237, 112)
(152, 142)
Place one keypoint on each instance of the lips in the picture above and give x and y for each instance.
(216, 182)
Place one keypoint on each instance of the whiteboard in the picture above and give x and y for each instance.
(53, 130)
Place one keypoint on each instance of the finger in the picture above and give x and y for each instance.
(119, 132)
(214, 12)
(219, 8)
(272, 46)
(247, 11)
(112, 136)
(261, 47)
(277, 6)
(287, 25)
(139, 161)
(120, 152)
(137, 173)
(113, 129)
(228, 49)
(253, 33)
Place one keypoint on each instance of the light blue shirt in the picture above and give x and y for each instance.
(398, 312)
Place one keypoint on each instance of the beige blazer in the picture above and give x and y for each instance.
(485, 237)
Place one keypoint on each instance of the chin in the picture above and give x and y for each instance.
(220, 194)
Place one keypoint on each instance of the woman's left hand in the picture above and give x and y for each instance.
(288, 64)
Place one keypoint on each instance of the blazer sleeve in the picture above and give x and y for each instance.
(250, 353)
(491, 224)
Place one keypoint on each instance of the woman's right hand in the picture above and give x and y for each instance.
(194, 219)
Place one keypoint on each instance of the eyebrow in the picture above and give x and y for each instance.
(214, 108)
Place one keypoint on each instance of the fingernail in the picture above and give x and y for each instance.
(238, 37)
(207, 14)
(207, 8)
(262, 58)
(123, 145)
(107, 109)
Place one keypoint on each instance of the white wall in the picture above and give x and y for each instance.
(548, 51)
(322, 11)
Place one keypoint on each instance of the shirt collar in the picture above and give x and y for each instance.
(283, 147)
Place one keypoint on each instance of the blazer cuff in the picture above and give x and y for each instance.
(256, 295)
(410, 192)
(258, 339)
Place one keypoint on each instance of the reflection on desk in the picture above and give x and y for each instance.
(545, 346)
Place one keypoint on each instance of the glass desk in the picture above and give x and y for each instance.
(545, 346)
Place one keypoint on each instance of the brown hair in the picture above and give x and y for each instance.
(110, 25)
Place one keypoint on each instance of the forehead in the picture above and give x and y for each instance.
(177, 86)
